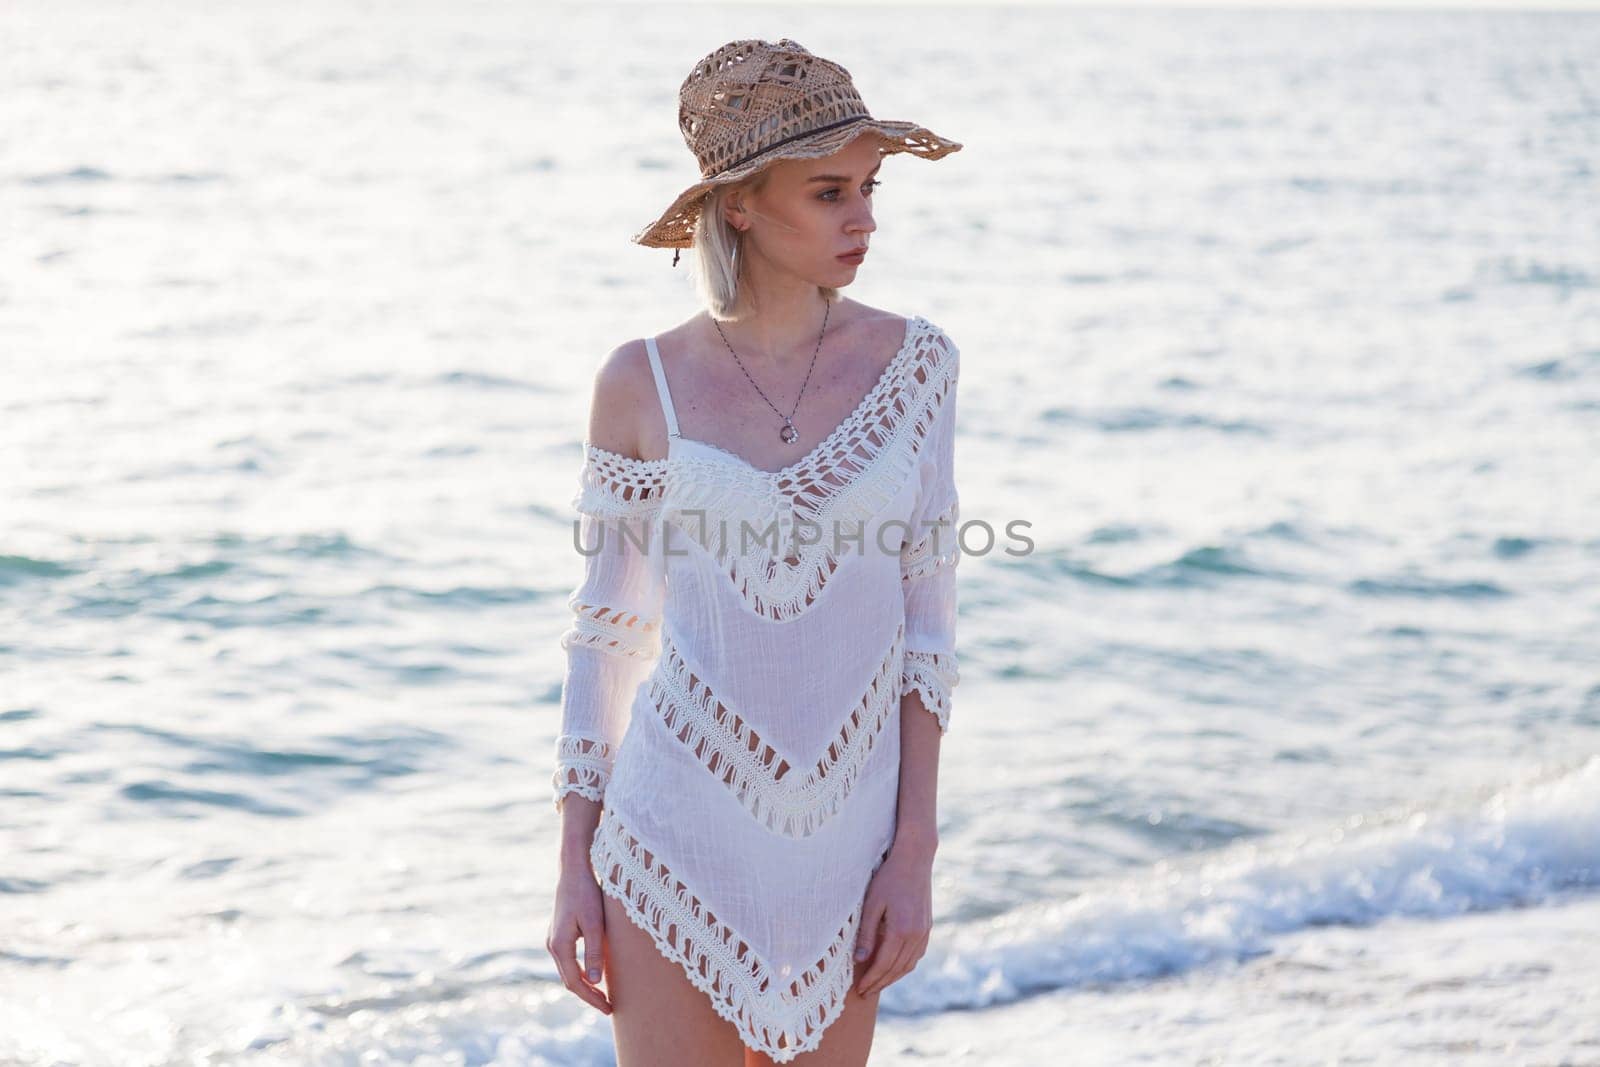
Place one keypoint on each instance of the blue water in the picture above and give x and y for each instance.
(1281, 329)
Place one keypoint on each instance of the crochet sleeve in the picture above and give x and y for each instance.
(614, 631)
(928, 560)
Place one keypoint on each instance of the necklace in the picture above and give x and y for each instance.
(788, 434)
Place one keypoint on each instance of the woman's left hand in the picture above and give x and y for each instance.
(899, 899)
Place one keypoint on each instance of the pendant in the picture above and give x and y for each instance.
(788, 433)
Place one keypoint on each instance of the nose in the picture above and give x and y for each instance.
(861, 223)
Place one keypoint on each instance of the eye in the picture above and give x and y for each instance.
(830, 195)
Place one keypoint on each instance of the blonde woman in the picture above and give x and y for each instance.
(762, 652)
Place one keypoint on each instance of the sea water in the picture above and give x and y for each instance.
(1280, 330)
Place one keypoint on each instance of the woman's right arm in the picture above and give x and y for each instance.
(611, 643)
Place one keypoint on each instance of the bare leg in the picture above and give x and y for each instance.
(658, 1017)
(845, 1043)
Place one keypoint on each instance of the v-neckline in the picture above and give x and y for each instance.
(884, 379)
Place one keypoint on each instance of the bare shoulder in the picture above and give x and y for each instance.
(624, 393)
(888, 332)
(873, 329)
(865, 315)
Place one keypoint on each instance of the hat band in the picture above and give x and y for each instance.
(786, 140)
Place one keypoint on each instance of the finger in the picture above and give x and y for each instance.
(867, 935)
(575, 981)
(594, 954)
(564, 947)
(590, 995)
(593, 942)
(906, 962)
(892, 969)
(922, 949)
(562, 954)
(560, 949)
(888, 949)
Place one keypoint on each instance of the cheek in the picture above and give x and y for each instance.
(822, 220)
(811, 227)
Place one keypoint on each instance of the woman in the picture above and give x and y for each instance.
(762, 653)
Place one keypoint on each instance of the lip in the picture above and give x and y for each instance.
(854, 257)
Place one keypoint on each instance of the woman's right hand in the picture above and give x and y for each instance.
(579, 912)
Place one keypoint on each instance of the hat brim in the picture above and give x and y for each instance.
(675, 226)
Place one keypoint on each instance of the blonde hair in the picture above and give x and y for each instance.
(716, 264)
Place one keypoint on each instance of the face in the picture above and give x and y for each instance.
(809, 213)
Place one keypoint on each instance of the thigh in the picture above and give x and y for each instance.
(846, 1041)
(658, 1017)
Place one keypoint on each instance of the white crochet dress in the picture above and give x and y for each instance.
(732, 694)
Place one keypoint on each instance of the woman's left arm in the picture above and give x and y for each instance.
(900, 897)
(897, 916)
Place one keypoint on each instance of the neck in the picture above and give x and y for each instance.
(779, 317)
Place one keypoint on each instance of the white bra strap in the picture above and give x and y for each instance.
(661, 387)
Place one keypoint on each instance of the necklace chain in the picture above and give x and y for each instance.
(788, 433)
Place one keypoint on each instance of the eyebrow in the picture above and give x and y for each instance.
(840, 177)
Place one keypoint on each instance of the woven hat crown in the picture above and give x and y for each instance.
(749, 97)
(751, 103)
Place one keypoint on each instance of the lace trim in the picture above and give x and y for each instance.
(781, 1020)
(614, 486)
(921, 559)
(847, 481)
(932, 675)
(620, 632)
(583, 766)
(768, 785)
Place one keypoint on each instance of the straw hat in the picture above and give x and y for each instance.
(751, 103)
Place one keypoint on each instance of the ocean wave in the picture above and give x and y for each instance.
(1522, 845)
